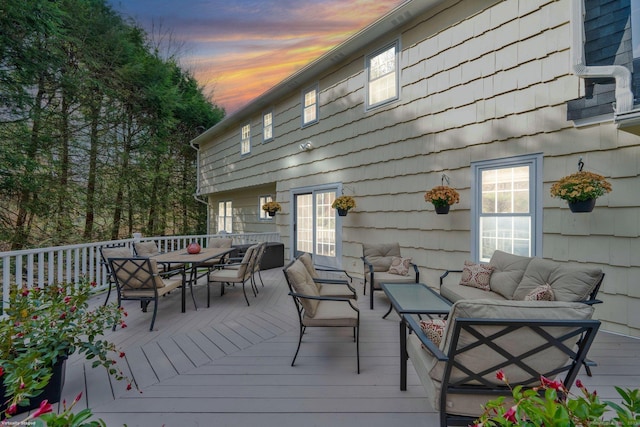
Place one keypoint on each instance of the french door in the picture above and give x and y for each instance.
(316, 225)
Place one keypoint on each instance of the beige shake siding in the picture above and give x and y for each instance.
(479, 80)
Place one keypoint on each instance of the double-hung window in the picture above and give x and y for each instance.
(225, 217)
(507, 207)
(264, 215)
(310, 106)
(382, 76)
(267, 126)
(245, 141)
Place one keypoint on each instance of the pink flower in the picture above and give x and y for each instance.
(67, 299)
(556, 385)
(94, 284)
(579, 384)
(510, 415)
(12, 409)
(45, 407)
(78, 397)
(500, 375)
(25, 292)
(121, 354)
(1, 371)
(128, 386)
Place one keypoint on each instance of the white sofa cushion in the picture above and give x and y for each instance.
(508, 270)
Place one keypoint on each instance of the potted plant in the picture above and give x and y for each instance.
(442, 198)
(581, 190)
(40, 329)
(343, 204)
(551, 404)
(271, 208)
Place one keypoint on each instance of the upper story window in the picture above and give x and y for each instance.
(507, 207)
(245, 142)
(382, 76)
(310, 106)
(267, 126)
(225, 217)
(264, 215)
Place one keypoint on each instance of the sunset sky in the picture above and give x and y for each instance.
(238, 49)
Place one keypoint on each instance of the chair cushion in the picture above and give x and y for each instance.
(331, 313)
(569, 282)
(220, 242)
(335, 290)
(476, 275)
(146, 249)
(455, 292)
(380, 255)
(306, 260)
(118, 252)
(384, 277)
(508, 270)
(303, 283)
(134, 274)
(400, 266)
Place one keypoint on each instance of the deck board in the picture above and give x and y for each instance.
(229, 365)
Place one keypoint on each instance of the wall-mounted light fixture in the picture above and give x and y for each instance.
(306, 146)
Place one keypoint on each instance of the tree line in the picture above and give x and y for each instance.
(94, 128)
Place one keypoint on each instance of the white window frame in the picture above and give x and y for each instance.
(263, 215)
(308, 106)
(225, 216)
(394, 76)
(245, 139)
(534, 162)
(267, 126)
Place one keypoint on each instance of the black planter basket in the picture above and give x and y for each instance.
(51, 392)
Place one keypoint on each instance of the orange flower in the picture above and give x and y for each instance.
(580, 186)
(442, 196)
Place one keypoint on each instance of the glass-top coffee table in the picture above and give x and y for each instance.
(407, 299)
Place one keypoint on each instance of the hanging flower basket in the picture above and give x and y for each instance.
(271, 208)
(442, 198)
(581, 190)
(343, 204)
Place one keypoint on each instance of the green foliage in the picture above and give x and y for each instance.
(551, 404)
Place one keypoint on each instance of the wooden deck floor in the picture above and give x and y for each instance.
(229, 365)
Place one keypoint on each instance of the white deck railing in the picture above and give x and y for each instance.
(44, 266)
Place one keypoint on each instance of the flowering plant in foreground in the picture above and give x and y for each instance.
(442, 195)
(44, 325)
(580, 186)
(551, 404)
(344, 202)
(271, 207)
(44, 416)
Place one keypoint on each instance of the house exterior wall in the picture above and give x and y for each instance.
(479, 80)
(245, 209)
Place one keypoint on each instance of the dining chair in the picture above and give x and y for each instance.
(234, 273)
(119, 250)
(315, 310)
(139, 279)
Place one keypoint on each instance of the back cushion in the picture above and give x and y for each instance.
(220, 242)
(302, 283)
(508, 270)
(305, 258)
(119, 252)
(483, 357)
(146, 249)
(380, 255)
(135, 273)
(568, 282)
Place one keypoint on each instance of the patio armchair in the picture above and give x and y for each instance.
(383, 263)
(118, 250)
(216, 242)
(139, 279)
(320, 311)
(234, 273)
(523, 339)
(149, 249)
(328, 286)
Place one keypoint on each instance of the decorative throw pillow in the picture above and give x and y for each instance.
(433, 329)
(476, 275)
(541, 293)
(400, 265)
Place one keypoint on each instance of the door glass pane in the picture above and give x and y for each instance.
(325, 224)
(304, 221)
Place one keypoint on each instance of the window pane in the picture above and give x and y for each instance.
(382, 81)
(505, 233)
(382, 64)
(304, 229)
(505, 190)
(267, 126)
(325, 224)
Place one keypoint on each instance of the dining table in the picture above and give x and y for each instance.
(190, 263)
